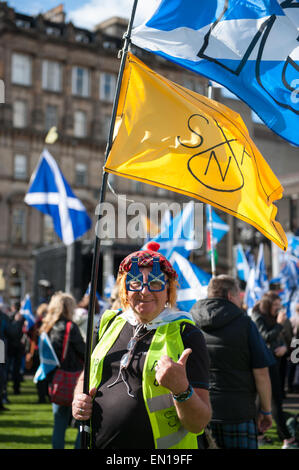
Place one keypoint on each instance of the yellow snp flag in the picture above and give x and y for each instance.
(174, 138)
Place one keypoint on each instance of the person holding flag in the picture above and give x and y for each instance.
(149, 369)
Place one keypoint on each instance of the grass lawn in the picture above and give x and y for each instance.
(27, 424)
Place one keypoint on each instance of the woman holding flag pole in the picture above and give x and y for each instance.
(149, 369)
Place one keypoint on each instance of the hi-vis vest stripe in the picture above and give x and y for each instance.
(167, 430)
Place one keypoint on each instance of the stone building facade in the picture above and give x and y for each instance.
(56, 74)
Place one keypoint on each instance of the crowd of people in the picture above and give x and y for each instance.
(159, 377)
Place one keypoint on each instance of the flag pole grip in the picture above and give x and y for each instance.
(84, 425)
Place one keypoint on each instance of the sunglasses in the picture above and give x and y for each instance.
(156, 285)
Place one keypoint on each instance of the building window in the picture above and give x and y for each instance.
(80, 81)
(18, 226)
(80, 124)
(51, 75)
(51, 117)
(19, 113)
(81, 174)
(21, 69)
(107, 86)
(20, 167)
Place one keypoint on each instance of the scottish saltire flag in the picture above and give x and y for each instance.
(183, 233)
(220, 228)
(241, 263)
(261, 277)
(288, 278)
(50, 193)
(26, 311)
(257, 283)
(249, 47)
(192, 280)
(47, 357)
(293, 244)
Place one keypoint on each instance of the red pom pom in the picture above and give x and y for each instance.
(154, 246)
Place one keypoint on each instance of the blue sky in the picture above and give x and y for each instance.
(87, 13)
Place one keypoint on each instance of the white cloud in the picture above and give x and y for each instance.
(96, 11)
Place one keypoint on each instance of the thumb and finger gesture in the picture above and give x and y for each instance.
(171, 374)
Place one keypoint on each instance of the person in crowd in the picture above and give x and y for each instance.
(149, 370)
(239, 363)
(10, 331)
(287, 336)
(60, 310)
(293, 371)
(270, 318)
(32, 357)
(16, 348)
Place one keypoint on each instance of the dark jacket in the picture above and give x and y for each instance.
(76, 347)
(232, 385)
(271, 332)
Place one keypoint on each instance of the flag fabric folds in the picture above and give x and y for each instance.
(26, 311)
(179, 234)
(50, 193)
(257, 283)
(192, 280)
(47, 357)
(174, 138)
(250, 47)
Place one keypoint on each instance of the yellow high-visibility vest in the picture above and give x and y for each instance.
(167, 429)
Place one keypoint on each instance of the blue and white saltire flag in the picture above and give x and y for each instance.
(249, 47)
(261, 277)
(242, 264)
(183, 234)
(257, 283)
(26, 311)
(47, 357)
(50, 193)
(288, 278)
(220, 228)
(192, 280)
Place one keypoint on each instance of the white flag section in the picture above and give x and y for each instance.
(50, 193)
(47, 357)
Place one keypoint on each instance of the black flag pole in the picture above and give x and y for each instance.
(84, 425)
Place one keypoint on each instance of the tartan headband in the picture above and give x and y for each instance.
(146, 259)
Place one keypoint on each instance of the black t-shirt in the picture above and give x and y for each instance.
(119, 418)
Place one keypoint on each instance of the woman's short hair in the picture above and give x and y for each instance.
(265, 303)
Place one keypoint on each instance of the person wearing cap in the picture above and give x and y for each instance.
(149, 370)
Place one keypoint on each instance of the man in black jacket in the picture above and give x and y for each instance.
(238, 368)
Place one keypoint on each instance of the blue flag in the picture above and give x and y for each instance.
(220, 228)
(192, 280)
(26, 311)
(242, 264)
(180, 234)
(257, 283)
(50, 193)
(47, 357)
(249, 47)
